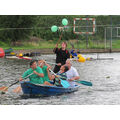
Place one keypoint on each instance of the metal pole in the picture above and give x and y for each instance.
(105, 38)
(87, 31)
(111, 36)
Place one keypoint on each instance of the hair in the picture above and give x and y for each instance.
(66, 68)
(69, 61)
(31, 63)
(65, 43)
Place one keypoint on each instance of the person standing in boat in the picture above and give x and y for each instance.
(37, 77)
(43, 65)
(72, 73)
(62, 54)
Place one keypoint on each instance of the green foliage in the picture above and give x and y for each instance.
(11, 27)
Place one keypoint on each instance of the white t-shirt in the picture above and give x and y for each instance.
(71, 73)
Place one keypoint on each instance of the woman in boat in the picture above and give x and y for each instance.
(37, 77)
(62, 54)
(72, 73)
(43, 65)
(60, 75)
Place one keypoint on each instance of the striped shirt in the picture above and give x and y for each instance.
(62, 76)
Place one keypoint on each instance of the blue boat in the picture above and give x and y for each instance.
(36, 89)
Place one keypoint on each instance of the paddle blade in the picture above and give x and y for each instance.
(17, 90)
(4, 88)
(84, 83)
(65, 83)
(1, 88)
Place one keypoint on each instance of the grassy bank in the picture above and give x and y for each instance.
(51, 45)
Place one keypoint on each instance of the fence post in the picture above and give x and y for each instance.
(105, 39)
(111, 36)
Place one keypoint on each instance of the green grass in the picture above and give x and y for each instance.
(51, 45)
(116, 44)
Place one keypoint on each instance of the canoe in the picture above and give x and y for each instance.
(36, 89)
(15, 57)
(25, 58)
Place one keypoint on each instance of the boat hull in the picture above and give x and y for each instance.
(33, 89)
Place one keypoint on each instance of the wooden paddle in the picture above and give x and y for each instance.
(64, 83)
(4, 88)
(18, 89)
(51, 63)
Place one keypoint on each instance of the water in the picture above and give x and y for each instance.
(104, 74)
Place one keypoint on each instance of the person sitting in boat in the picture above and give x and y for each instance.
(37, 77)
(60, 75)
(43, 65)
(72, 73)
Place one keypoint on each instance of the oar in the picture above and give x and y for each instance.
(84, 82)
(51, 63)
(6, 88)
(18, 89)
(64, 83)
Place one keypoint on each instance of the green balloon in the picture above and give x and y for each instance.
(64, 21)
(54, 28)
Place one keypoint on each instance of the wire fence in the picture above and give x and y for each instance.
(104, 37)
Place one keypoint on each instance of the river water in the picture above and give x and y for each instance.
(104, 74)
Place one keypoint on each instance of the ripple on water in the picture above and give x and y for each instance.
(104, 74)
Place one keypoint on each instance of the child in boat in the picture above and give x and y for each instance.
(37, 77)
(60, 75)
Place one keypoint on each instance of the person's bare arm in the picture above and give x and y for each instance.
(39, 74)
(51, 77)
(74, 78)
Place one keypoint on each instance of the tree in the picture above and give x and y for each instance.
(16, 27)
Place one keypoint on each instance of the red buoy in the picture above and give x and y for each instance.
(2, 53)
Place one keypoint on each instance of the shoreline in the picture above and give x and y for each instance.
(50, 51)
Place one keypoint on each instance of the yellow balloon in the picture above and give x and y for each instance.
(20, 54)
(81, 59)
(79, 56)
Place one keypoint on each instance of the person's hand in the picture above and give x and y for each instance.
(48, 68)
(44, 61)
(59, 64)
(57, 76)
(56, 45)
(71, 79)
(20, 79)
(35, 72)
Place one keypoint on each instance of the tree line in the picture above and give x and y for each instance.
(22, 27)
